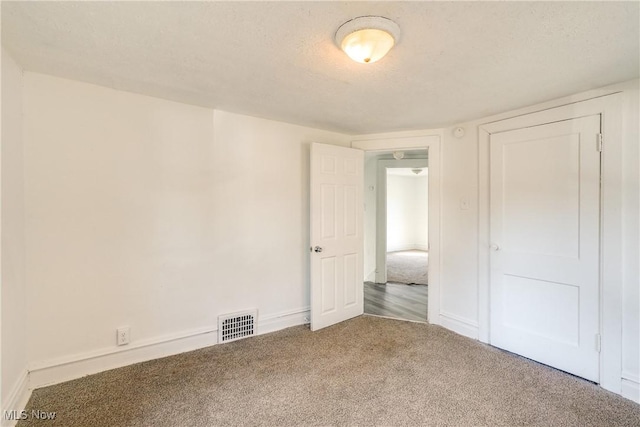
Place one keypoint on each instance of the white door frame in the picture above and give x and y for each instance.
(430, 142)
(381, 209)
(609, 107)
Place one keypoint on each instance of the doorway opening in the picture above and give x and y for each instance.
(396, 235)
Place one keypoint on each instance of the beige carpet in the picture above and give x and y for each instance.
(409, 267)
(366, 371)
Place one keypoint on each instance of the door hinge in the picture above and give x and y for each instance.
(600, 142)
(598, 342)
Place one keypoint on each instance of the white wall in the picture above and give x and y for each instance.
(370, 198)
(156, 215)
(407, 207)
(459, 227)
(421, 212)
(14, 318)
(631, 243)
(161, 216)
(263, 172)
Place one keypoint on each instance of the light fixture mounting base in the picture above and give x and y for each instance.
(367, 22)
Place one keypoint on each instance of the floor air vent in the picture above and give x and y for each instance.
(236, 326)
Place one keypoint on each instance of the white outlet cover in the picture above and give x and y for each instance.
(123, 335)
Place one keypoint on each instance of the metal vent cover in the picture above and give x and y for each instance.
(235, 326)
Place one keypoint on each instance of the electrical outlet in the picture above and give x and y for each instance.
(123, 335)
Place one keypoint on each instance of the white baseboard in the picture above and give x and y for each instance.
(286, 319)
(460, 325)
(371, 277)
(69, 368)
(408, 247)
(77, 366)
(630, 387)
(17, 398)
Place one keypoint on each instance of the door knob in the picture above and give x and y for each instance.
(494, 247)
(317, 249)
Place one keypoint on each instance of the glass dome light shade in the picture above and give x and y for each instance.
(367, 39)
(368, 45)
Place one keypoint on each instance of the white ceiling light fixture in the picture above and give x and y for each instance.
(367, 39)
(416, 171)
(398, 155)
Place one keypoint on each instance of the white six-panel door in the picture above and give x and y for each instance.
(337, 242)
(545, 215)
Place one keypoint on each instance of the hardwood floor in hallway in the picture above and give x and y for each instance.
(399, 301)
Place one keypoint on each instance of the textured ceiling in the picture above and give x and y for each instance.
(456, 61)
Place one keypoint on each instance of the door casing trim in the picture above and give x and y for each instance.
(430, 141)
(611, 239)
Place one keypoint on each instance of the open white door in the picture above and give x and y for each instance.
(337, 270)
(545, 218)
